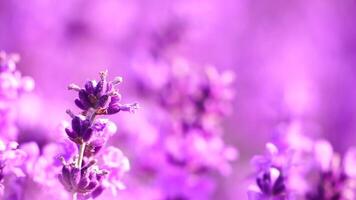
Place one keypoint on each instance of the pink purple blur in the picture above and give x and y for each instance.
(292, 60)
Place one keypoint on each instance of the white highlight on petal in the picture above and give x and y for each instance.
(275, 173)
(323, 152)
(271, 149)
(350, 162)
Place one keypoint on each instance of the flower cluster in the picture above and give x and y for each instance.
(11, 159)
(189, 144)
(303, 168)
(12, 84)
(88, 173)
(272, 171)
(336, 177)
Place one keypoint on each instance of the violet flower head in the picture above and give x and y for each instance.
(101, 96)
(336, 176)
(271, 175)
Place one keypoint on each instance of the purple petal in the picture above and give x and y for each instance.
(115, 99)
(103, 100)
(97, 192)
(75, 176)
(83, 96)
(100, 88)
(83, 183)
(92, 185)
(87, 135)
(71, 134)
(80, 104)
(89, 87)
(66, 175)
(114, 108)
(76, 124)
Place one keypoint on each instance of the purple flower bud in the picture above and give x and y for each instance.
(100, 88)
(81, 105)
(115, 108)
(81, 130)
(116, 98)
(90, 86)
(83, 181)
(93, 147)
(87, 135)
(71, 134)
(97, 192)
(103, 100)
(76, 124)
(97, 96)
(84, 98)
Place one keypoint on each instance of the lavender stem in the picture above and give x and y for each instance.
(81, 154)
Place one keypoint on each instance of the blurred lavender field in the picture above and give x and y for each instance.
(240, 73)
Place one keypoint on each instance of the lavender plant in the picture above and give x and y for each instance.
(12, 85)
(86, 175)
(189, 147)
(331, 176)
(11, 159)
(272, 171)
(303, 168)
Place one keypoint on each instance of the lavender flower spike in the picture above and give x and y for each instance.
(82, 177)
(101, 96)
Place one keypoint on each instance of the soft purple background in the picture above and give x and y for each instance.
(292, 59)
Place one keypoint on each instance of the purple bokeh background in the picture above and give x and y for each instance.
(292, 59)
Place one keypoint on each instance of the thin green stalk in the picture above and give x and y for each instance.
(79, 163)
(81, 155)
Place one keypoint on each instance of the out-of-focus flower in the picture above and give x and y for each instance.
(11, 159)
(272, 172)
(186, 141)
(12, 84)
(334, 176)
(118, 164)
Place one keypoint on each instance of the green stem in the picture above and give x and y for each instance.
(79, 163)
(81, 155)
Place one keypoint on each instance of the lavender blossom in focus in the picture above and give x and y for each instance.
(82, 175)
